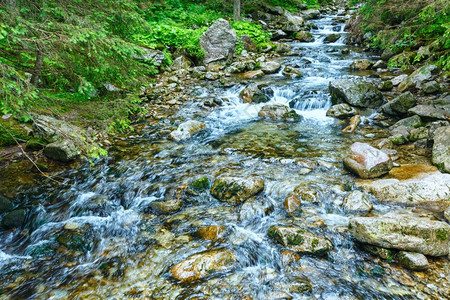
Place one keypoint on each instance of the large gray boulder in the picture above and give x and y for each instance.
(355, 92)
(292, 22)
(403, 232)
(399, 105)
(279, 112)
(270, 67)
(65, 140)
(311, 14)
(367, 161)
(428, 190)
(300, 240)
(218, 42)
(235, 190)
(430, 112)
(441, 149)
(419, 77)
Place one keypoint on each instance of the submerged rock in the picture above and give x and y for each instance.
(253, 74)
(166, 207)
(355, 92)
(292, 203)
(399, 105)
(279, 112)
(403, 232)
(186, 130)
(203, 264)
(306, 194)
(357, 201)
(5, 204)
(413, 261)
(300, 240)
(218, 42)
(367, 161)
(14, 219)
(342, 111)
(210, 233)
(441, 149)
(235, 190)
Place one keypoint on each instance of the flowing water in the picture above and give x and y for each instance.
(125, 251)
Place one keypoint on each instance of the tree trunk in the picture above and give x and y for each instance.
(237, 10)
(37, 68)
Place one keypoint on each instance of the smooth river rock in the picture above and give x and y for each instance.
(342, 111)
(413, 261)
(403, 232)
(357, 93)
(367, 161)
(300, 240)
(252, 94)
(279, 112)
(270, 67)
(357, 201)
(186, 130)
(203, 264)
(235, 190)
(428, 190)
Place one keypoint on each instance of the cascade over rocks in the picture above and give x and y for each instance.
(367, 161)
(403, 232)
(355, 92)
(218, 42)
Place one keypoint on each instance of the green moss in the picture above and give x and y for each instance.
(314, 243)
(201, 184)
(295, 239)
(377, 271)
(441, 234)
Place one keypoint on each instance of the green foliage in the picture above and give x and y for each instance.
(255, 31)
(173, 37)
(406, 24)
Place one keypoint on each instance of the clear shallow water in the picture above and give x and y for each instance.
(125, 251)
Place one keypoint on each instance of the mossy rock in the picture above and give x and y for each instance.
(5, 204)
(35, 144)
(14, 219)
(201, 184)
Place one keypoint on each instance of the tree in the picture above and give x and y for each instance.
(237, 10)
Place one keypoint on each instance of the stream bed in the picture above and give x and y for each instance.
(95, 237)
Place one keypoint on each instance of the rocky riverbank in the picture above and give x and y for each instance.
(235, 184)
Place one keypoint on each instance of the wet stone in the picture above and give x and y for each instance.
(5, 204)
(300, 240)
(288, 257)
(342, 111)
(447, 214)
(210, 233)
(306, 194)
(302, 285)
(14, 219)
(367, 161)
(403, 232)
(292, 203)
(235, 190)
(413, 261)
(357, 201)
(73, 241)
(186, 130)
(166, 207)
(201, 184)
(279, 112)
(203, 264)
